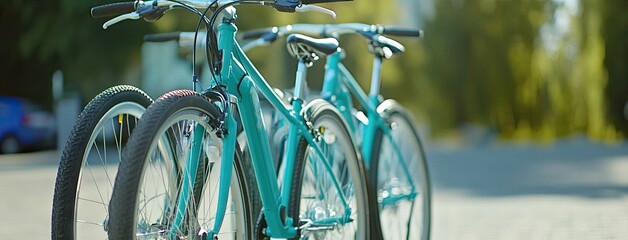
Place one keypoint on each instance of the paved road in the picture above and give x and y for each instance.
(26, 186)
(574, 189)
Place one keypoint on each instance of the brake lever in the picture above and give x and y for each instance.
(307, 8)
(133, 15)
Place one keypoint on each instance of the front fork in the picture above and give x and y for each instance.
(189, 177)
(370, 130)
(191, 170)
(226, 169)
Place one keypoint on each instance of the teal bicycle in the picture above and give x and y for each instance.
(390, 146)
(182, 175)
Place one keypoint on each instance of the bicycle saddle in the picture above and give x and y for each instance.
(299, 44)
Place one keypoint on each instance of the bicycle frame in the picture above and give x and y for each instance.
(242, 81)
(336, 81)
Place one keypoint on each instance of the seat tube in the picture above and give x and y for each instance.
(293, 133)
(300, 79)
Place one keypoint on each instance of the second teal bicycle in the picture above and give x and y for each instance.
(390, 143)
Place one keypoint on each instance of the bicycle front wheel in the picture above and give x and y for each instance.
(315, 201)
(90, 160)
(399, 170)
(150, 179)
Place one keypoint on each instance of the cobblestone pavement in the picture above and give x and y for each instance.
(573, 189)
(26, 202)
(543, 217)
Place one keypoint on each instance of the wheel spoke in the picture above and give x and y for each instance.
(402, 194)
(321, 205)
(167, 143)
(92, 193)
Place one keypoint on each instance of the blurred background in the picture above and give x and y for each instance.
(524, 70)
(523, 102)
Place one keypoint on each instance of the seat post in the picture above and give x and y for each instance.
(300, 78)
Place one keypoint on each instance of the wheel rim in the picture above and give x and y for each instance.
(401, 208)
(99, 167)
(319, 198)
(157, 200)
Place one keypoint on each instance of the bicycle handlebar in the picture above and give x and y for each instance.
(153, 10)
(374, 33)
(257, 33)
(112, 9)
(402, 32)
(325, 30)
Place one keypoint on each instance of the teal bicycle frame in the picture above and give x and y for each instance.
(338, 85)
(243, 81)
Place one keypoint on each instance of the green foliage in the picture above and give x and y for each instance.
(479, 53)
(614, 33)
(50, 35)
(518, 68)
(528, 69)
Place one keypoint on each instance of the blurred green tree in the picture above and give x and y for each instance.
(614, 32)
(528, 69)
(50, 35)
(478, 54)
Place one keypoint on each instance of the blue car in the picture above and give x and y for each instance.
(24, 126)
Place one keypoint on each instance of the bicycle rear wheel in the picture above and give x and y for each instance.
(90, 161)
(151, 175)
(314, 201)
(403, 193)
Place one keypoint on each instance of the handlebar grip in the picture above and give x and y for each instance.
(113, 9)
(257, 33)
(162, 37)
(401, 31)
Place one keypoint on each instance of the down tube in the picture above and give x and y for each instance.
(373, 116)
(250, 112)
(336, 93)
